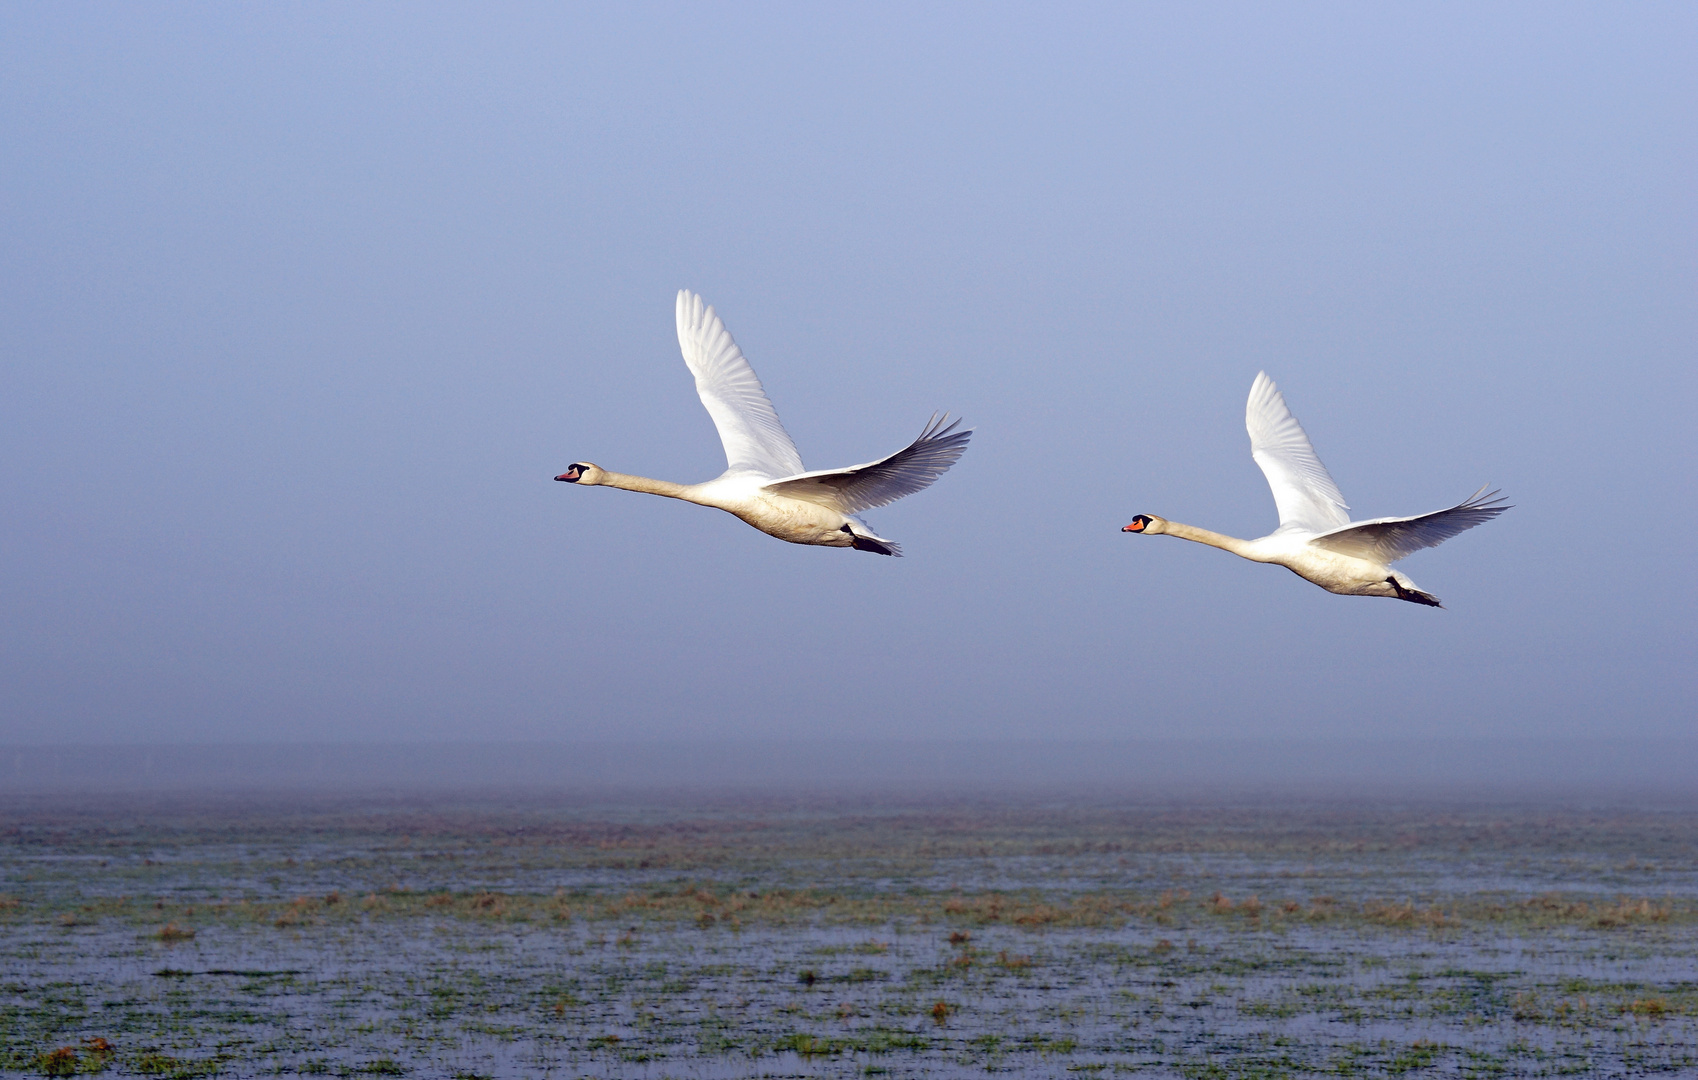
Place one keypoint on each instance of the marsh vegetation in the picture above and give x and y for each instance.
(771, 938)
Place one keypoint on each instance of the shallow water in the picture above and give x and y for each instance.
(530, 938)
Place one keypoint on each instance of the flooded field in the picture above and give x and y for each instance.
(723, 938)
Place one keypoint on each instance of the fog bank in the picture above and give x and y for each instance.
(1508, 768)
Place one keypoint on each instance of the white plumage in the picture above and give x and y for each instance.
(1303, 490)
(764, 482)
(878, 483)
(1316, 540)
(755, 441)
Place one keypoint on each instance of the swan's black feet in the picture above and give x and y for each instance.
(863, 543)
(1414, 596)
(867, 543)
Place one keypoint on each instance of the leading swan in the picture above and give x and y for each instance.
(764, 482)
(1316, 540)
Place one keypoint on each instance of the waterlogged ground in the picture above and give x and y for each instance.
(727, 939)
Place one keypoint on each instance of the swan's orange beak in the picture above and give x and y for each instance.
(570, 475)
(1136, 526)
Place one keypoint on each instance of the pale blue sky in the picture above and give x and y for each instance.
(301, 307)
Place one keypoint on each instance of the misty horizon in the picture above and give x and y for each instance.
(1207, 770)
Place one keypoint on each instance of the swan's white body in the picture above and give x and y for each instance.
(764, 482)
(1316, 540)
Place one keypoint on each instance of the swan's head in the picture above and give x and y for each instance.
(1145, 523)
(582, 472)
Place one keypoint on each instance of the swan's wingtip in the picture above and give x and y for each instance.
(1494, 500)
(941, 426)
(690, 306)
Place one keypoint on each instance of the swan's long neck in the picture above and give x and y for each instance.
(1204, 536)
(687, 492)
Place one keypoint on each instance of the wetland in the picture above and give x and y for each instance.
(671, 936)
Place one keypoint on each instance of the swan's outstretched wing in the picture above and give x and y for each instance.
(863, 487)
(1386, 540)
(1303, 490)
(754, 439)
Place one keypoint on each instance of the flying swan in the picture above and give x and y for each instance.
(765, 483)
(1316, 540)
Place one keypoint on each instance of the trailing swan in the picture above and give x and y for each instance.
(764, 482)
(1316, 540)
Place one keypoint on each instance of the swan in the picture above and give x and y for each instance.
(1316, 540)
(765, 483)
